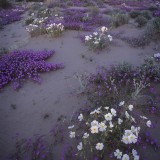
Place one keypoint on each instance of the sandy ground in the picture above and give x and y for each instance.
(54, 96)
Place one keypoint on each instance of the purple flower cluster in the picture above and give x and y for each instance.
(17, 66)
(36, 147)
(110, 85)
(157, 13)
(79, 20)
(148, 139)
(11, 15)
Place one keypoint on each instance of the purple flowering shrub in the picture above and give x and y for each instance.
(18, 66)
(109, 85)
(8, 16)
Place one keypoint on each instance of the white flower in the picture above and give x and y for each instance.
(96, 111)
(106, 108)
(157, 55)
(132, 138)
(79, 147)
(108, 117)
(87, 38)
(125, 157)
(80, 117)
(148, 123)
(120, 121)
(130, 107)
(135, 130)
(85, 135)
(136, 157)
(126, 114)
(102, 127)
(96, 42)
(143, 117)
(94, 129)
(95, 33)
(121, 103)
(110, 38)
(134, 152)
(125, 139)
(104, 29)
(72, 134)
(111, 124)
(118, 154)
(99, 146)
(113, 111)
(94, 123)
(70, 127)
(127, 132)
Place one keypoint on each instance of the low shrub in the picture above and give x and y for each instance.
(94, 11)
(29, 20)
(141, 20)
(36, 30)
(146, 14)
(44, 12)
(134, 14)
(120, 19)
(152, 30)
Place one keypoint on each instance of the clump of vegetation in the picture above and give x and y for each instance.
(140, 41)
(36, 147)
(120, 19)
(141, 20)
(29, 20)
(94, 11)
(146, 14)
(55, 30)
(17, 66)
(153, 29)
(44, 12)
(98, 40)
(134, 14)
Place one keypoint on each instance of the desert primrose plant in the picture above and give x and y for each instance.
(99, 40)
(55, 30)
(108, 130)
(37, 27)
